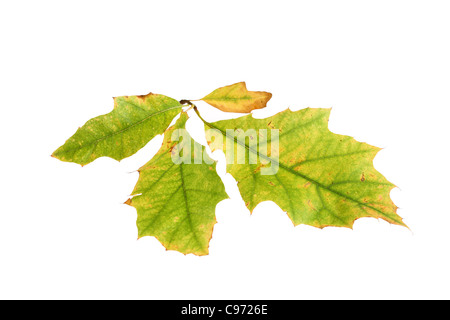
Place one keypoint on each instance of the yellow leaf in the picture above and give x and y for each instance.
(236, 98)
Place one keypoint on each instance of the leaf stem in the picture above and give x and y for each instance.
(198, 114)
(188, 102)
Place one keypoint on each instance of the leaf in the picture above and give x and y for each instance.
(236, 98)
(134, 121)
(176, 202)
(319, 178)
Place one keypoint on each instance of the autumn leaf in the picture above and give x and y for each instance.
(176, 202)
(319, 178)
(134, 121)
(236, 98)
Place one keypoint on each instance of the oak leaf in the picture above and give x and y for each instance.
(236, 98)
(176, 202)
(319, 178)
(134, 121)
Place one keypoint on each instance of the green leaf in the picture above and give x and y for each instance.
(176, 202)
(319, 178)
(134, 121)
(236, 98)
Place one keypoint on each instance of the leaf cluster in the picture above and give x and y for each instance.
(317, 177)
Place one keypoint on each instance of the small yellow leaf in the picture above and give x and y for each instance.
(236, 98)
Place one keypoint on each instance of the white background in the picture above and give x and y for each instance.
(383, 66)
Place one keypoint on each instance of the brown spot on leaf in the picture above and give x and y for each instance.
(142, 97)
(311, 205)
